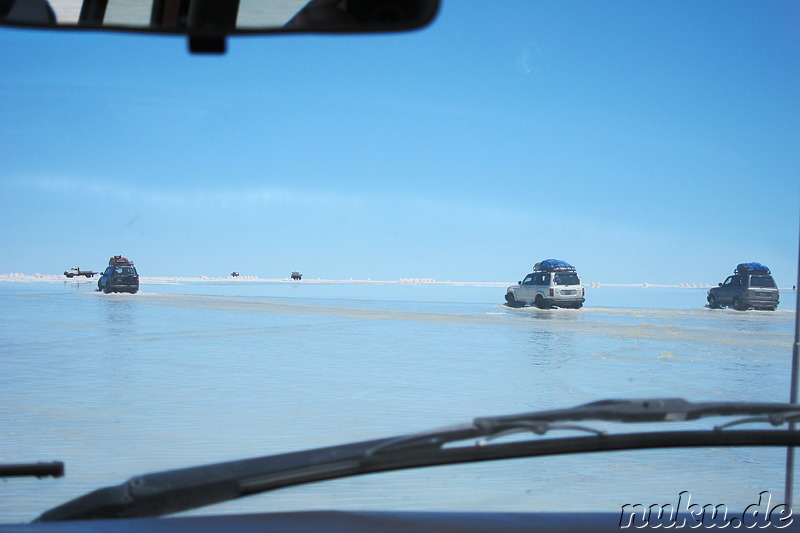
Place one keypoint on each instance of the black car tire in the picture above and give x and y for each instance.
(539, 302)
(511, 301)
(736, 303)
(712, 301)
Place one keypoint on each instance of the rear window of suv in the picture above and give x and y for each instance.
(762, 281)
(566, 279)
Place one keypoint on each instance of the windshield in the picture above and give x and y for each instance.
(410, 180)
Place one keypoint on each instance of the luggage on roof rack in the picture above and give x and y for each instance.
(751, 268)
(550, 265)
(115, 260)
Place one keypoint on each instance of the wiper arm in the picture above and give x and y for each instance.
(40, 470)
(180, 490)
(189, 488)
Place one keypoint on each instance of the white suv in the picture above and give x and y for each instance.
(552, 283)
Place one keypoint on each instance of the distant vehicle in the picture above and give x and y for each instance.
(119, 276)
(297, 276)
(750, 287)
(234, 274)
(76, 271)
(552, 283)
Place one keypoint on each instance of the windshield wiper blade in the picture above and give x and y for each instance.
(624, 411)
(189, 488)
(647, 410)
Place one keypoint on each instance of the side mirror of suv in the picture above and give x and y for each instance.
(519, 283)
(719, 284)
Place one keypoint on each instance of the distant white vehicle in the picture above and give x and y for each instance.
(75, 271)
(552, 283)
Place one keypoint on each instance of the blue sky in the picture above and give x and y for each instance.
(652, 142)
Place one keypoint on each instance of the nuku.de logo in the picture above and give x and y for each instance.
(761, 514)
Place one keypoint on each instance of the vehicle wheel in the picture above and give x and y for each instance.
(539, 302)
(712, 301)
(106, 290)
(736, 303)
(577, 306)
(69, 275)
(88, 275)
(511, 301)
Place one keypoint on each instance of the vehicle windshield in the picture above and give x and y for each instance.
(762, 281)
(568, 278)
(409, 180)
(127, 271)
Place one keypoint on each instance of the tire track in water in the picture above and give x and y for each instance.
(589, 321)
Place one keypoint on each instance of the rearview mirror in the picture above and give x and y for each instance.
(208, 22)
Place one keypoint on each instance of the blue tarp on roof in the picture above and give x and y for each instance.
(741, 268)
(553, 264)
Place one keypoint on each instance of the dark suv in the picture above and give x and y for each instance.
(750, 287)
(119, 276)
